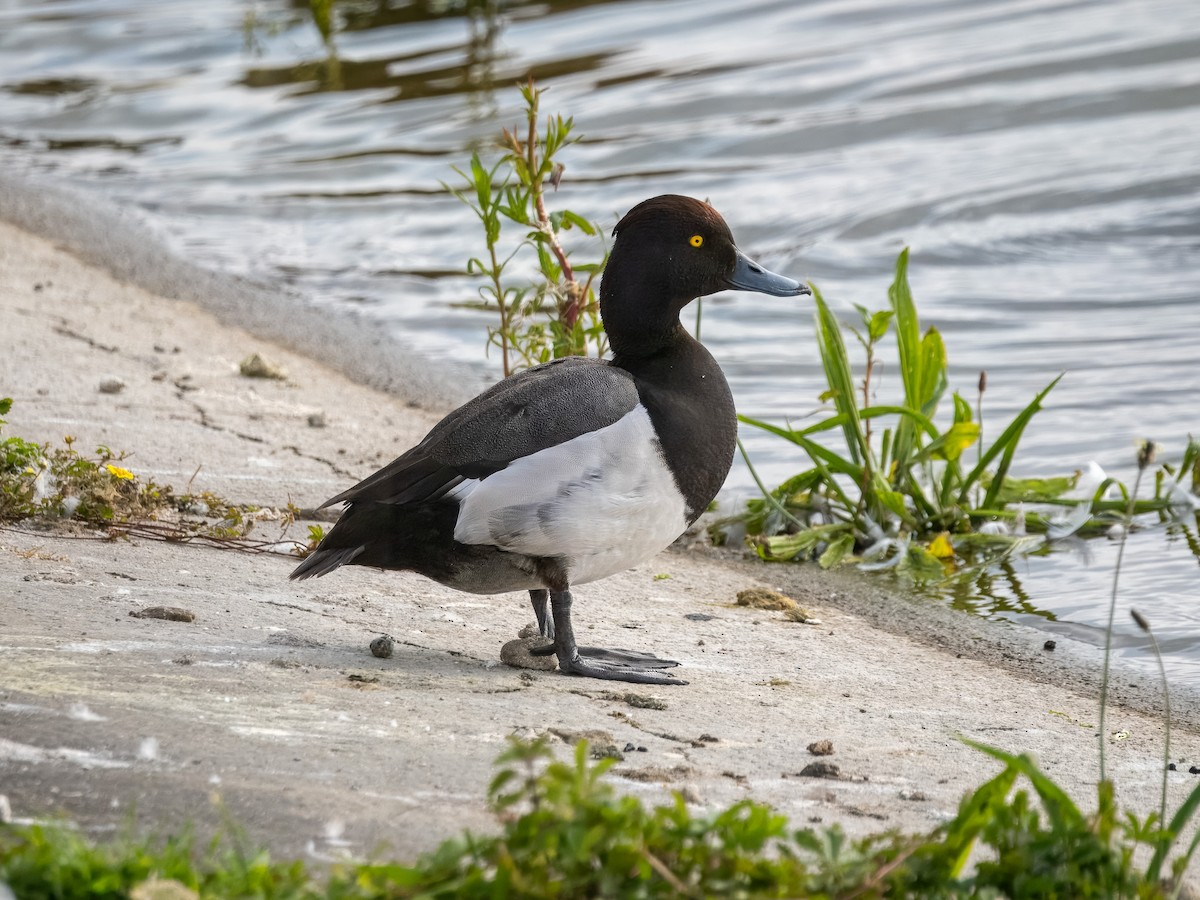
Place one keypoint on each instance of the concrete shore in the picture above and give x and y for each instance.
(270, 699)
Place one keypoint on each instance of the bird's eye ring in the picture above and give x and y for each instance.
(696, 240)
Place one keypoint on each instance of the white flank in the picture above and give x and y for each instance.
(604, 501)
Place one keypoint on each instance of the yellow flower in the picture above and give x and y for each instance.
(941, 547)
(118, 472)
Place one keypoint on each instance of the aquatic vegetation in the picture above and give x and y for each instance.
(556, 315)
(892, 488)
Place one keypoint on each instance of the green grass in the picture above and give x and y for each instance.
(563, 831)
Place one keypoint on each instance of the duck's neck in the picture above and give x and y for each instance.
(680, 385)
(639, 324)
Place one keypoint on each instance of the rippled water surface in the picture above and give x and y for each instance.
(1041, 158)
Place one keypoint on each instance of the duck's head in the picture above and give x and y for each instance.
(668, 251)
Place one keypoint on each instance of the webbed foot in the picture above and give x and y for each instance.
(596, 662)
(615, 656)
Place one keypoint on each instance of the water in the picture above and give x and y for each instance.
(1041, 159)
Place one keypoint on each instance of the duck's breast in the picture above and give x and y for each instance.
(602, 502)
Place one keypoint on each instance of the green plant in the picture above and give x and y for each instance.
(565, 832)
(558, 314)
(908, 498)
(61, 484)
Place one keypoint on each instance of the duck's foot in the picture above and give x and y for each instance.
(596, 662)
(615, 656)
(590, 668)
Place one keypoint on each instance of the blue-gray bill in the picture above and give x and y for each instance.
(750, 276)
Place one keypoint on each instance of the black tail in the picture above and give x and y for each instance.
(323, 561)
(387, 536)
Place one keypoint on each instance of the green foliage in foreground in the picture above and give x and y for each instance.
(891, 487)
(565, 832)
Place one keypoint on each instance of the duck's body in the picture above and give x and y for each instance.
(577, 469)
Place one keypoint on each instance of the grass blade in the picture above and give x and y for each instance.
(1006, 444)
(1178, 821)
(840, 378)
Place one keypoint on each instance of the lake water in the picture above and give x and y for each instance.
(1041, 158)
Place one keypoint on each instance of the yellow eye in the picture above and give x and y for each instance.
(696, 240)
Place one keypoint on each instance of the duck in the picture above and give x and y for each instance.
(569, 472)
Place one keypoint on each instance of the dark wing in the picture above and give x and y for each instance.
(524, 413)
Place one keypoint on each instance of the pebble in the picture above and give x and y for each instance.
(822, 747)
(516, 654)
(821, 769)
(111, 385)
(258, 366)
(1049, 645)
(383, 646)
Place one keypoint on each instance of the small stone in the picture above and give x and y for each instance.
(258, 366)
(698, 617)
(170, 613)
(822, 747)
(629, 748)
(516, 654)
(1194, 770)
(821, 769)
(690, 794)
(317, 420)
(764, 598)
(913, 795)
(383, 646)
(1171, 767)
(111, 385)
(1049, 645)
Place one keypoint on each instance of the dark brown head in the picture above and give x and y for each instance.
(668, 251)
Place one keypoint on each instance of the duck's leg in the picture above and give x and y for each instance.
(540, 599)
(608, 664)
